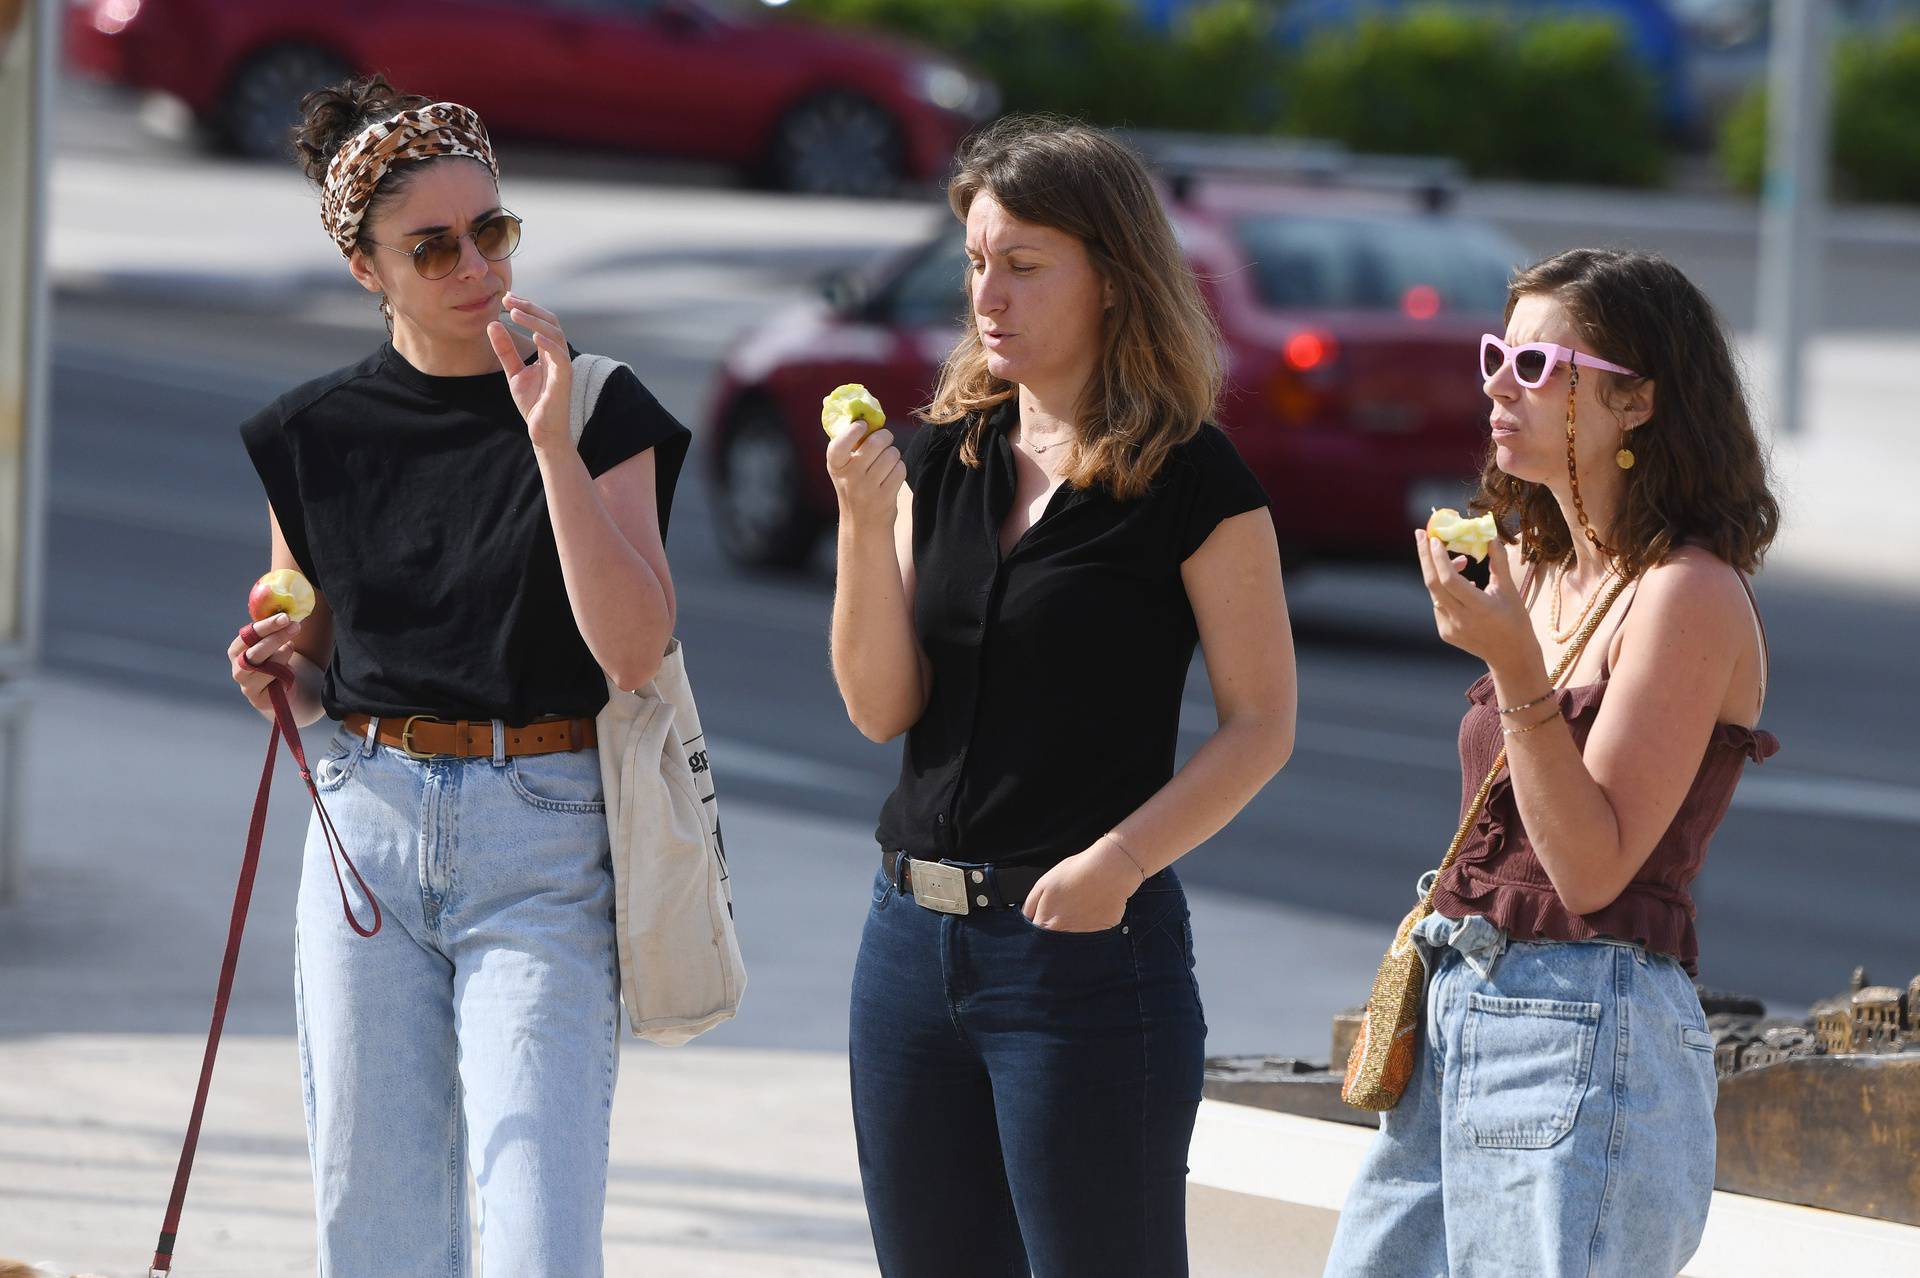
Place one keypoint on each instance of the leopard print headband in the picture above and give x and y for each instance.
(441, 128)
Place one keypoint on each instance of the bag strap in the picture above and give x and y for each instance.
(1474, 808)
(1760, 633)
(590, 374)
(283, 726)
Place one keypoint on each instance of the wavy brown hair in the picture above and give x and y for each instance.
(1159, 373)
(1699, 475)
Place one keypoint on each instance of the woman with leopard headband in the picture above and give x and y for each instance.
(475, 571)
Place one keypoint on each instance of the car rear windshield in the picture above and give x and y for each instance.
(1357, 263)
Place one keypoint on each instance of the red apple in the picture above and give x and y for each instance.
(282, 590)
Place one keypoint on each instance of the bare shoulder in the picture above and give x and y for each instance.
(1693, 596)
(1690, 628)
(1695, 580)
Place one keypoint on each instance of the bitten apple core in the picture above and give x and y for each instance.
(847, 405)
(282, 590)
(1469, 537)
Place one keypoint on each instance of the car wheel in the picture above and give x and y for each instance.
(262, 104)
(837, 144)
(761, 513)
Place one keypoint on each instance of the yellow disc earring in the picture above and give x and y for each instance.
(1624, 458)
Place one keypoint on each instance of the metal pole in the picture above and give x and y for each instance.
(1793, 219)
(38, 491)
(41, 25)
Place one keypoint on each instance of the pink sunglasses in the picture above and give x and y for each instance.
(1534, 363)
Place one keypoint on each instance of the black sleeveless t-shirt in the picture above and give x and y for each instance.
(413, 503)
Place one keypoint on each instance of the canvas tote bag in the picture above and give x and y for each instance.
(681, 972)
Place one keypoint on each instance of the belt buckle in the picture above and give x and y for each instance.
(938, 887)
(406, 735)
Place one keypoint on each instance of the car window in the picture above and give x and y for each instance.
(931, 291)
(1353, 263)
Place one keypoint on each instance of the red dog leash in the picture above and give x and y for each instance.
(283, 726)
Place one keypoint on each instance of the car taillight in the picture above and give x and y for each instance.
(1310, 350)
(1302, 381)
(1421, 302)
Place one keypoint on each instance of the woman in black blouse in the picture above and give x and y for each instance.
(1021, 594)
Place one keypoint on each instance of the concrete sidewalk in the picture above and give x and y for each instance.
(1848, 483)
(733, 1156)
(730, 1164)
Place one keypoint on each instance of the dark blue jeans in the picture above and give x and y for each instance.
(1024, 1099)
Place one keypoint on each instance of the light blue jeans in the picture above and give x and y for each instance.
(476, 1029)
(1559, 1123)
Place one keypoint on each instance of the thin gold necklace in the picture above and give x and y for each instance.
(1037, 449)
(1559, 635)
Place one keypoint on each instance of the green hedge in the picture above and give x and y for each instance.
(1558, 99)
(1551, 101)
(1876, 122)
(1094, 60)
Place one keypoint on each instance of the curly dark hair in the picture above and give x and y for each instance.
(1700, 474)
(333, 116)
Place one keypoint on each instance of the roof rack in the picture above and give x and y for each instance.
(1186, 159)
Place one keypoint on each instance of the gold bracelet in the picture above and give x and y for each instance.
(1115, 839)
(1528, 705)
(1515, 732)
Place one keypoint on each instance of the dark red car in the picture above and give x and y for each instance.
(800, 106)
(1351, 319)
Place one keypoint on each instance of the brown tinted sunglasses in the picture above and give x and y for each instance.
(496, 236)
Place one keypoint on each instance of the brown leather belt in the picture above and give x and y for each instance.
(423, 736)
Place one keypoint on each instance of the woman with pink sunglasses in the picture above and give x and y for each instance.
(1560, 1115)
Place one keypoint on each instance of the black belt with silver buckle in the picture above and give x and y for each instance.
(960, 889)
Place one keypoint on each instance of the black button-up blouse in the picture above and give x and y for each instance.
(1057, 671)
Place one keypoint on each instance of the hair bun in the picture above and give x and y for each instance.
(331, 117)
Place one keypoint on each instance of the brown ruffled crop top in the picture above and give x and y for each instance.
(1498, 876)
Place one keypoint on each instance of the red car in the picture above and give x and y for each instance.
(1351, 320)
(800, 106)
